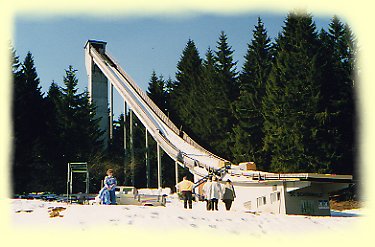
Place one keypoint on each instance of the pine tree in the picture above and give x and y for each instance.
(53, 140)
(157, 91)
(226, 86)
(169, 85)
(248, 133)
(337, 57)
(81, 129)
(226, 68)
(91, 141)
(15, 61)
(29, 123)
(290, 106)
(72, 128)
(18, 167)
(184, 103)
(208, 124)
(349, 117)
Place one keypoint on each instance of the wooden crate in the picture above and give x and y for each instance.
(247, 166)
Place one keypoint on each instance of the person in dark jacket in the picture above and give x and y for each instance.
(228, 195)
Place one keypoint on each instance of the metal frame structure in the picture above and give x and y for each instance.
(76, 167)
(251, 186)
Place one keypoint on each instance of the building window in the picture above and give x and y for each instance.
(261, 201)
(275, 196)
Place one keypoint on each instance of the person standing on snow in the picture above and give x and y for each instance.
(206, 190)
(214, 193)
(229, 195)
(186, 188)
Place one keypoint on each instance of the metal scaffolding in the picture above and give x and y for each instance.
(77, 167)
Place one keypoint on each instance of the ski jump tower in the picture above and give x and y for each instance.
(100, 68)
(260, 191)
(98, 89)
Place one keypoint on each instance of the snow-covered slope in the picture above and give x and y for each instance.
(175, 217)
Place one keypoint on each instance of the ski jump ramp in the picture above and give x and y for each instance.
(298, 193)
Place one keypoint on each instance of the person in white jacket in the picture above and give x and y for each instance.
(206, 190)
(214, 193)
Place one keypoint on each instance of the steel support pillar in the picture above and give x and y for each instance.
(68, 182)
(111, 112)
(87, 182)
(176, 171)
(159, 166)
(131, 143)
(71, 184)
(147, 160)
(125, 142)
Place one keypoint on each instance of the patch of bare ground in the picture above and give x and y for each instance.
(345, 205)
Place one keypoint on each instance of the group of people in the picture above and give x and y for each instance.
(212, 191)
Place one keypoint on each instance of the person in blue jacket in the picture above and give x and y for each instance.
(107, 193)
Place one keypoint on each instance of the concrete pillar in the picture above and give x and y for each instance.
(147, 161)
(98, 86)
(159, 166)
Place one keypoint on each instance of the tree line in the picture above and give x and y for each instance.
(51, 130)
(291, 108)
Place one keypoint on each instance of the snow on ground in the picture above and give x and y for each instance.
(26, 213)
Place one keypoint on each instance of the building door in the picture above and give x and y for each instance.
(307, 207)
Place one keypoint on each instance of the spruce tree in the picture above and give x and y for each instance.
(169, 85)
(226, 67)
(209, 124)
(73, 128)
(157, 91)
(18, 167)
(337, 57)
(81, 129)
(226, 86)
(15, 61)
(248, 132)
(290, 105)
(349, 116)
(184, 103)
(29, 123)
(53, 137)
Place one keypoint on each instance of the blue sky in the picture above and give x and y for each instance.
(140, 45)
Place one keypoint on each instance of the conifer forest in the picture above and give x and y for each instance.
(291, 107)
